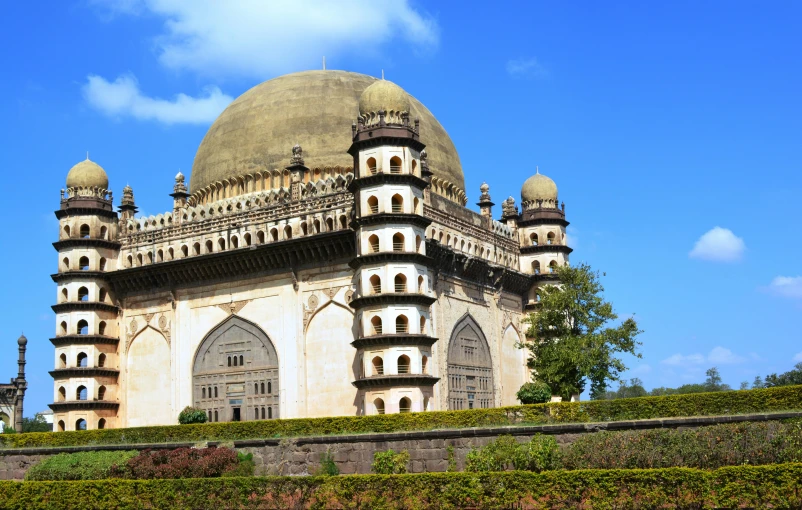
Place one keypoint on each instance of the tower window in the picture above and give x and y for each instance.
(269, 387)
(329, 224)
(102, 265)
(404, 405)
(247, 239)
(80, 393)
(221, 244)
(80, 424)
(304, 229)
(101, 393)
(374, 243)
(196, 249)
(398, 242)
(376, 284)
(316, 226)
(403, 364)
(83, 264)
(101, 360)
(400, 283)
(343, 222)
(553, 266)
(84, 233)
(420, 284)
(376, 322)
(424, 364)
(64, 295)
(83, 327)
(102, 295)
(103, 232)
(536, 267)
(550, 238)
(65, 263)
(62, 394)
(101, 328)
(401, 324)
(397, 202)
(379, 405)
(378, 365)
(82, 360)
(170, 253)
(66, 231)
(160, 256)
(101, 423)
(373, 205)
(423, 325)
(371, 164)
(533, 239)
(209, 246)
(395, 165)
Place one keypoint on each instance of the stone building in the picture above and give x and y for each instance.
(12, 395)
(322, 261)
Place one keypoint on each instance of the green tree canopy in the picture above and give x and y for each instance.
(569, 339)
(789, 378)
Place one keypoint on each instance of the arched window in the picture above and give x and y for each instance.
(235, 361)
(80, 424)
(150, 258)
(66, 231)
(101, 423)
(101, 360)
(229, 361)
(260, 237)
(263, 413)
(395, 165)
(269, 413)
(63, 327)
(82, 359)
(102, 265)
(440, 238)
(420, 284)
(424, 364)
(84, 233)
(415, 205)
(269, 387)
(209, 246)
(130, 261)
(316, 226)
(373, 205)
(102, 295)
(63, 360)
(376, 322)
(379, 405)
(62, 394)
(274, 234)
(398, 242)
(83, 264)
(64, 295)
(304, 229)
(215, 416)
(373, 241)
(160, 256)
(397, 203)
(247, 239)
(101, 328)
(263, 388)
(234, 242)
(414, 167)
(371, 164)
(287, 232)
(203, 392)
(401, 324)
(533, 239)
(553, 266)
(103, 231)
(378, 365)
(423, 325)
(184, 251)
(550, 237)
(65, 263)
(417, 243)
(210, 416)
(329, 224)
(400, 282)
(536, 267)
(343, 222)
(170, 253)
(80, 393)
(101, 393)
(404, 405)
(241, 362)
(403, 364)
(83, 327)
(61, 426)
(196, 249)
(215, 392)
(376, 284)
(221, 244)
(139, 259)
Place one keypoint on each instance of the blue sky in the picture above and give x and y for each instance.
(673, 130)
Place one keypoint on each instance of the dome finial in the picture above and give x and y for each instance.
(382, 74)
(537, 170)
(87, 155)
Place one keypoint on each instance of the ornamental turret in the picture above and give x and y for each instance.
(85, 374)
(393, 274)
(542, 231)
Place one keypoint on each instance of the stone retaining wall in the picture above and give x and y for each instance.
(428, 450)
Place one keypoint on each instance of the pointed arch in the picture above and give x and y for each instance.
(320, 308)
(469, 367)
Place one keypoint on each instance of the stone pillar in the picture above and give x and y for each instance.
(21, 384)
(297, 171)
(180, 196)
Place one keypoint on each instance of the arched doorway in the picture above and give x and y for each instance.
(470, 368)
(235, 374)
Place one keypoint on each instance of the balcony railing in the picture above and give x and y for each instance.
(378, 370)
(398, 247)
(402, 328)
(398, 208)
(395, 169)
(374, 209)
(400, 287)
(377, 288)
(404, 409)
(377, 329)
(403, 368)
(374, 247)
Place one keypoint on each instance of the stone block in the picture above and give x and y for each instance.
(417, 466)
(347, 468)
(435, 466)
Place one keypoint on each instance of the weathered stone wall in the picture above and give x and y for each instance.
(428, 450)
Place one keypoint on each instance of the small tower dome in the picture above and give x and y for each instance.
(22, 340)
(539, 187)
(386, 96)
(87, 174)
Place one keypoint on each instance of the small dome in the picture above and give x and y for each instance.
(22, 340)
(87, 174)
(383, 95)
(538, 187)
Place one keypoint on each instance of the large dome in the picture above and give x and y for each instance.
(314, 109)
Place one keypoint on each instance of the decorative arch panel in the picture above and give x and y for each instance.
(470, 367)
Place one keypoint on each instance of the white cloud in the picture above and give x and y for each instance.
(798, 357)
(122, 98)
(526, 67)
(260, 39)
(787, 286)
(718, 245)
(717, 356)
(641, 369)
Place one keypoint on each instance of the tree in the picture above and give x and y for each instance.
(191, 415)
(627, 390)
(790, 378)
(568, 338)
(36, 424)
(758, 383)
(534, 393)
(744, 385)
(713, 381)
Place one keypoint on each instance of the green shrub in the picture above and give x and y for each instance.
(191, 415)
(80, 465)
(776, 486)
(534, 393)
(539, 454)
(699, 404)
(327, 465)
(244, 467)
(390, 463)
(711, 447)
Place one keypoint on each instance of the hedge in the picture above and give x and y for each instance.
(699, 404)
(79, 465)
(776, 486)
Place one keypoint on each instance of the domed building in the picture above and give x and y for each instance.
(320, 262)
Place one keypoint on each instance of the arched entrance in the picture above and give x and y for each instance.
(235, 374)
(470, 368)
